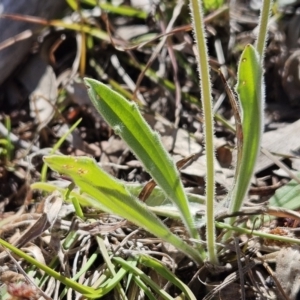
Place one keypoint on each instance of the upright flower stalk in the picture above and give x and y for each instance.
(205, 86)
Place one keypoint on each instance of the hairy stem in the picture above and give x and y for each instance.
(205, 85)
(260, 43)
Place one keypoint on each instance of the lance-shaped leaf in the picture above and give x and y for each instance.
(250, 92)
(124, 117)
(110, 194)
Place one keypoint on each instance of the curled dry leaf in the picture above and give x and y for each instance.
(52, 206)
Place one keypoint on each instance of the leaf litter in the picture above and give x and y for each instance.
(168, 104)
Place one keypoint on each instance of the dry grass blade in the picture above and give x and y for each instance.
(279, 212)
(159, 47)
(30, 19)
(240, 267)
(184, 28)
(237, 117)
(19, 37)
(280, 164)
(21, 289)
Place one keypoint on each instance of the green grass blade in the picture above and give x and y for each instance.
(259, 233)
(50, 187)
(151, 74)
(111, 194)
(166, 211)
(57, 145)
(110, 266)
(68, 282)
(124, 117)
(249, 89)
(123, 10)
(145, 278)
(158, 267)
(86, 267)
(144, 287)
(93, 31)
(107, 286)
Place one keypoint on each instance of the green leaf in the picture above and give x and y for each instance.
(210, 5)
(167, 210)
(124, 117)
(249, 89)
(68, 282)
(287, 196)
(122, 10)
(111, 195)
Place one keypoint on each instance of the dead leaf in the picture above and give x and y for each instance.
(39, 80)
(51, 209)
(288, 271)
(283, 140)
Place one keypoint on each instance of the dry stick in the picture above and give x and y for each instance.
(19, 37)
(26, 18)
(116, 63)
(176, 13)
(207, 20)
(29, 280)
(126, 78)
(280, 164)
(253, 280)
(241, 275)
(36, 20)
(178, 105)
(238, 129)
(271, 273)
(249, 211)
(265, 190)
(237, 117)
(228, 280)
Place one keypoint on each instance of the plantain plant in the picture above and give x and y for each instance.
(126, 121)
(109, 194)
